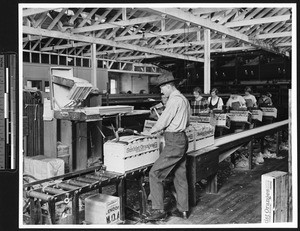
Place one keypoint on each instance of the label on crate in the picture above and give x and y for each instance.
(269, 111)
(240, 116)
(274, 197)
(223, 120)
(257, 114)
(113, 213)
(148, 125)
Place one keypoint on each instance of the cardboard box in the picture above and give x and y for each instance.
(240, 116)
(130, 152)
(257, 114)
(269, 111)
(42, 167)
(102, 209)
(223, 120)
(274, 197)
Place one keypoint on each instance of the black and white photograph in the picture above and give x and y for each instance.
(149, 116)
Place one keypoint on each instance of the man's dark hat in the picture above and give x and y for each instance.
(166, 78)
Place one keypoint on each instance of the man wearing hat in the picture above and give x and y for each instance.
(173, 121)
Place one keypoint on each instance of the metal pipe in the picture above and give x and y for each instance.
(53, 190)
(86, 180)
(77, 183)
(38, 195)
(67, 186)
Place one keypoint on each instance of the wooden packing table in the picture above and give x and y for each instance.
(204, 163)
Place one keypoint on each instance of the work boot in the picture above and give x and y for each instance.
(157, 214)
(184, 215)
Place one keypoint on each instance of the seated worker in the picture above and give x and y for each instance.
(265, 99)
(214, 101)
(249, 98)
(200, 104)
(235, 101)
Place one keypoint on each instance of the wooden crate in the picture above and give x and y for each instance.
(257, 114)
(274, 192)
(269, 111)
(223, 120)
(240, 116)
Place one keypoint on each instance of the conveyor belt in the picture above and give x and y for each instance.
(68, 187)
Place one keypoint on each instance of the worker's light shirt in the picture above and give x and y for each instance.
(175, 117)
(251, 98)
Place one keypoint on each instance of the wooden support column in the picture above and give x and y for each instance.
(143, 196)
(121, 188)
(75, 208)
(290, 192)
(250, 153)
(50, 138)
(278, 141)
(66, 139)
(206, 61)
(81, 146)
(94, 65)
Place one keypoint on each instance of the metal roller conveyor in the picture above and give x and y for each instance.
(39, 195)
(54, 191)
(87, 180)
(77, 183)
(98, 178)
(110, 175)
(67, 186)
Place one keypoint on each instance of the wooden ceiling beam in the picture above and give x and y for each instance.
(145, 56)
(259, 21)
(56, 19)
(274, 35)
(178, 14)
(208, 10)
(65, 46)
(221, 50)
(34, 11)
(117, 24)
(155, 34)
(286, 44)
(88, 39)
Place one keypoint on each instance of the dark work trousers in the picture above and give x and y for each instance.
(172, 157)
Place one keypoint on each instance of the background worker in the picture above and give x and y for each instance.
(173, 121)
(199, 104)
(235, 101)
(214, 101)
(265, 99)
(249, 98)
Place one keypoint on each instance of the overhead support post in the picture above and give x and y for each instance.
(94, 65)
(206, 61)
